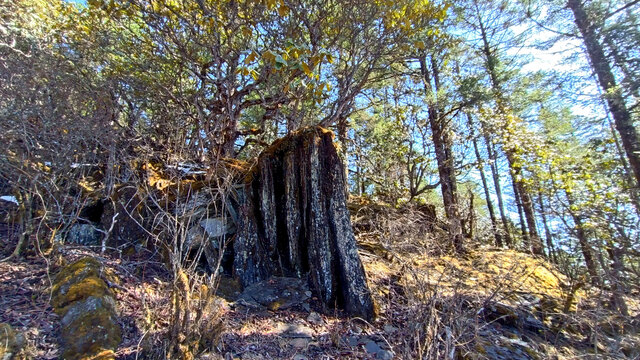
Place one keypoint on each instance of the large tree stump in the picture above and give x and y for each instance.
(294, 221)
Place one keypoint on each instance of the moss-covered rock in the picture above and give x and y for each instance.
(72, 274)
(87, 307)
(90, 329)
(11, 342)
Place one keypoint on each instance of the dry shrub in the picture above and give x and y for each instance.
(409, 227)
(196, 323)
(179, 203)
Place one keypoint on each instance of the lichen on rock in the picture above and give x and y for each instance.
(87, 307)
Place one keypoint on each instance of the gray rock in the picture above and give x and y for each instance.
(390, 329)
(276, 293)
(300, 357)
(195, 206)
(372, 347)
(384, 355)
(299, 343)
(84, 234)
(295, 331)
(351, 340)
(315, 318)
(218, 226)
(195, 238)
(89, 305)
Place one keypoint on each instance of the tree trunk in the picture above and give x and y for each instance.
(24, 224)
(617, 286)
(534, 242)
(585, 247)
(441, 136)
(294, 220)
(496, 183)
(606, 79)
(523, 226)
(547, 231)
(491, 63)
(487, 195)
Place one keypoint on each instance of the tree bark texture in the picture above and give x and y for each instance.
(606, 79)
(442, 143)
(530, 232)
(487, 195)
(493, 165)
(585, 246)
(294, 221)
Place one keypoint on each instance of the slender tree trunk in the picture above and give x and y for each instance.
(493, 164)
(629, 179)
(547, 231)
(491, 62)
(535, 244)
(344, 154)
(613, 94)
(444, 155)
(487, 194)
(24, 222)
(617, 286)
(581, 234)
(359, 184)
(523, 226)
(620, 61)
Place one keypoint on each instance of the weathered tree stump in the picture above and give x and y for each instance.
(294, 221)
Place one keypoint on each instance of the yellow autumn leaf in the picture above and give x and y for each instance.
(246, 31)
(269, 56)
(250, 58)
(306, 68)
(283, 10)
(271, 3)
(329, 58)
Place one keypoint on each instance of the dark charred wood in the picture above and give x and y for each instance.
(294, 221)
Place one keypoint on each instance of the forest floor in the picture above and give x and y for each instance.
(489, 304)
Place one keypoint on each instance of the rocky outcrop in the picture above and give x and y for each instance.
(87, 309)
(84, 234)
(293, 221)
(277, 293)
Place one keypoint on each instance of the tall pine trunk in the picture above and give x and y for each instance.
(585, 246)
(527, 205)
(487, 194)
(535, 243)
(442, 142)
(523, 225)
(606, 79)
(547, 231)
(496, 183)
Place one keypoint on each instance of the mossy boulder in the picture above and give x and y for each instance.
(11, 342)
(87, 307)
